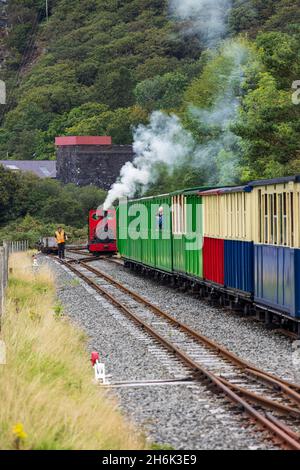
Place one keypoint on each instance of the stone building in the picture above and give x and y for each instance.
(83, 161)
(90, 160)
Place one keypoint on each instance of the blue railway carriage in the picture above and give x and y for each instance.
(228, 241)
(276, 214)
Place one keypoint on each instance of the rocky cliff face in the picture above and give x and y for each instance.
(3, 14)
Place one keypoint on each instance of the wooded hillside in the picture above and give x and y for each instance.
(102, 66)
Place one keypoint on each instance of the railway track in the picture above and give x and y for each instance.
(89, 257)
(271, 403)
(115, 260)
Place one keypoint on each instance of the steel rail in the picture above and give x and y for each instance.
(266, 402)
(278, 433)
(80, 251)
(86, 259)
(286, 387)
(259, 376)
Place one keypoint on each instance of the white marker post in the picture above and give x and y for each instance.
(99, 369)
(35, 265)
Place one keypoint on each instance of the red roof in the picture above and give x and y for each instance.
(83, 140)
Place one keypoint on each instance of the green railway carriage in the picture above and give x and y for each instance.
(163, 232)
(140, 238)
(187, 233)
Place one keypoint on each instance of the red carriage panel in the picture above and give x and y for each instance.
(213, 260)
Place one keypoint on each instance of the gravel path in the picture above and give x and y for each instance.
(183, 416)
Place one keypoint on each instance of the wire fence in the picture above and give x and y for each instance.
(4, 254)
(16, 247)
(5, 251)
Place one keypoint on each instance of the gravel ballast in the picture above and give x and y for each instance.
(250, 340)
(183, 416)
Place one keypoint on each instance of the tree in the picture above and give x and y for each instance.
(9, 195)
(116, 90)
(118, 124)
(161, 92)
(89, 51)
(269, 126)
(63, 209)
(281, 56)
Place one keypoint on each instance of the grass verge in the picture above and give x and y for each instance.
(48, 399)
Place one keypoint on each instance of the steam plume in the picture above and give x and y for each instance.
(205, 18)
(162, 141)
(166, 141)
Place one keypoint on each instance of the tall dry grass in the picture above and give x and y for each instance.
(47, 384)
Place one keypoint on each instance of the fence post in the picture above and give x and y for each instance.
(6, 256)
(1, 281)
(3, 278)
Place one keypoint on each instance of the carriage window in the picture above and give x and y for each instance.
(179, 215)
(260, 221)
(271, 213)
(237, 215)
(160, 218)
(235, 220)
(231, 214)
(275, 233)
(284, 219)
(292, 218)
(244, 209)
(280, 216)
(277, 218)
(266, 219)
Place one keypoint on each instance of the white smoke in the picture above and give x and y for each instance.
(219, 157)
(163, 141)
(166, 141)
(205, 18)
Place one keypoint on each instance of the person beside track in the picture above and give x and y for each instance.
(61, 238)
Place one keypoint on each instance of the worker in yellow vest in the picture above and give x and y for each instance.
(61, 239)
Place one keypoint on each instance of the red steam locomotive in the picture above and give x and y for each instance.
(102, 232)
